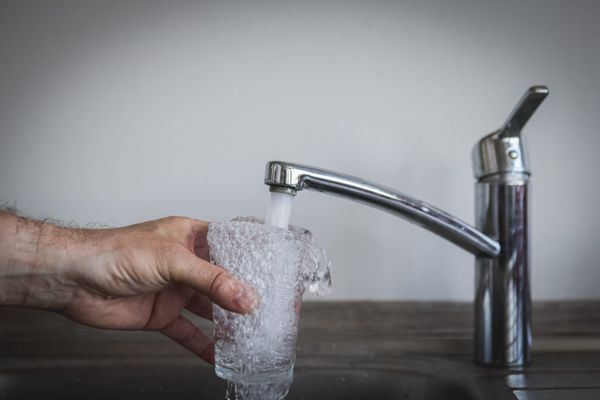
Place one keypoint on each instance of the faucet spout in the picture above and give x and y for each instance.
(292, 177)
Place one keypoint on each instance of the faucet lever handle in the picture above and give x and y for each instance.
(524, 109)
(504, 152)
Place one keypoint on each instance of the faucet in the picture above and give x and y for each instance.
(499, 240)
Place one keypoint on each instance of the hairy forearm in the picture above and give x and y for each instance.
(34, 258)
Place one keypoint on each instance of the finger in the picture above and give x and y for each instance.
(199, 243)
(120, 313)
(213, 281)
(167, 303)
(182, 331)
(200, 305)
(202, 250)
(187, 231)
(195, 232)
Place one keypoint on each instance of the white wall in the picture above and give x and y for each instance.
(121, 111)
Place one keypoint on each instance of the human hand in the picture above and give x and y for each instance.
(137, 277)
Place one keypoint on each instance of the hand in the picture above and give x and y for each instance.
(137, 277)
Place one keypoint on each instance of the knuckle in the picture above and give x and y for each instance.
(177, 220)
(222, 284)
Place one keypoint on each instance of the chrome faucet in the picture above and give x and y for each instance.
(499, 242)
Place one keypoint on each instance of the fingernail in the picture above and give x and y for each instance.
(247, 299)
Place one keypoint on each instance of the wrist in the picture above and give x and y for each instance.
(35, 264)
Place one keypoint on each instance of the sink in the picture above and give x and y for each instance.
(372, 384)
(192, 382)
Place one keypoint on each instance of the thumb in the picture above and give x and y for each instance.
(219, 285)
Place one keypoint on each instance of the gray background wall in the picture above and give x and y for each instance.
(114, 112)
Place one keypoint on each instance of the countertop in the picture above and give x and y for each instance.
(566, 346)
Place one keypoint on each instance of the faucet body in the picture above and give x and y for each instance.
(502, 289)
(499, 241)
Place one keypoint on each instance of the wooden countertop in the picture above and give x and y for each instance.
(566, 342)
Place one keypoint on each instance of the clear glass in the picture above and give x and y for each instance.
(258, 347)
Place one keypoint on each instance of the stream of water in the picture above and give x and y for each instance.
(279, 210)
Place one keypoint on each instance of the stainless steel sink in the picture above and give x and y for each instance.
(187, 382)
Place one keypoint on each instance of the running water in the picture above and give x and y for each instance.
(279, 210)
(256, 352)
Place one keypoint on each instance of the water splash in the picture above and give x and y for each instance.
(276, 390)
(315, 264)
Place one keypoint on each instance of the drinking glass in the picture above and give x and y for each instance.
(260, 346)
